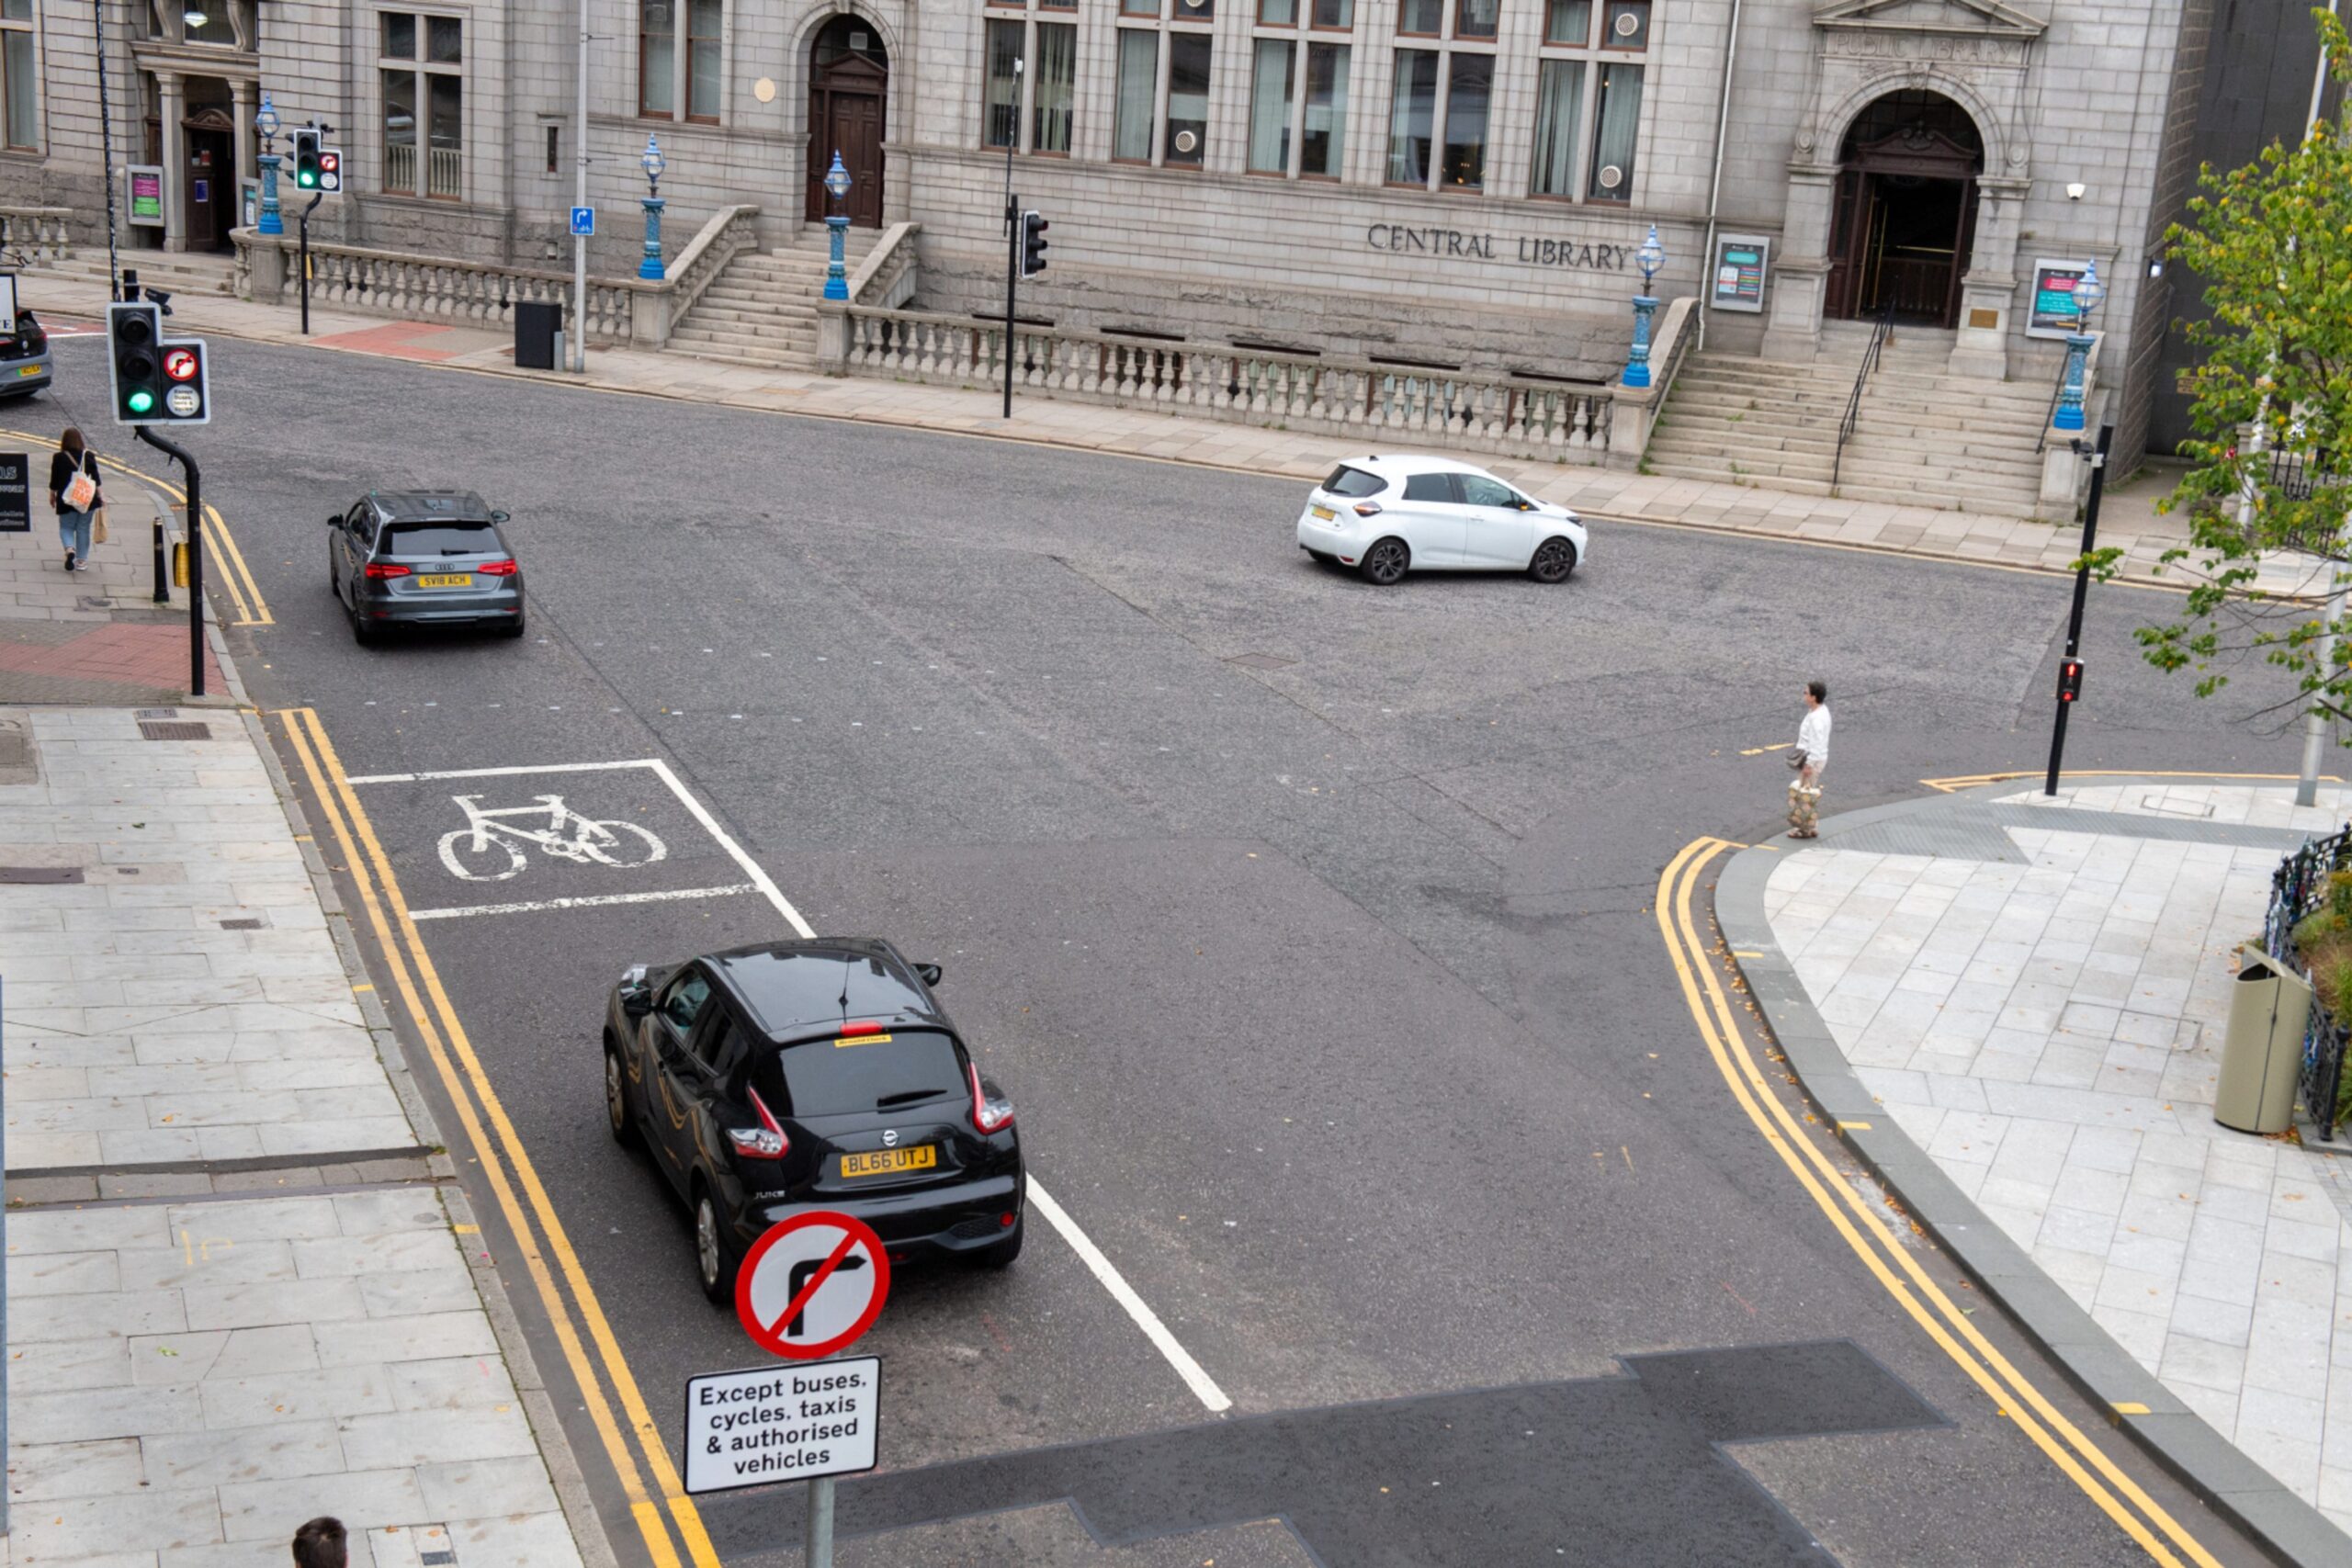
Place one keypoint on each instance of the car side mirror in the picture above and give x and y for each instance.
(334, 522)
(500, 517)
(636, 1004)
(930, 973)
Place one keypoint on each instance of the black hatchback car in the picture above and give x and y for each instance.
(816, 1074)
(423, 558)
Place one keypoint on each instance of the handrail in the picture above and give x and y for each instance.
(885, 277)
(1878, 335)
(2090, 381)
(2057, 390)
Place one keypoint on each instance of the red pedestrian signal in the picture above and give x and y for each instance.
(2070, 679)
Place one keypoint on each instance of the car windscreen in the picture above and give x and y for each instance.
(440, 539)
(869, 1072)
(1354, 482)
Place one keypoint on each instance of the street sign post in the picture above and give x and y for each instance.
(806, 1291)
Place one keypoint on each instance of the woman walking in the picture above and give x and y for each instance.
(73, 492)
(1812, 754)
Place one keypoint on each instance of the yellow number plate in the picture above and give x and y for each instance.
(1325, 513)
(886, 1162)
(451, 580)
(32, 369)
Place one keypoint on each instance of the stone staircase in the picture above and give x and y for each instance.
(173, 271)
(762, 310)
(1925, 437)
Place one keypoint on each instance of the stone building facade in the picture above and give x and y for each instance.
(1448, 182)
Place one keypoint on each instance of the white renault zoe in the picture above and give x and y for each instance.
(1388, 515)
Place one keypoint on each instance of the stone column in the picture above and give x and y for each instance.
(248, 96)
(1989, 292)
(1801, 279)
(898, 182)
(172, 108)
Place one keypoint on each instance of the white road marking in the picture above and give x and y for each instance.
(664, 896)
(1195, 1377)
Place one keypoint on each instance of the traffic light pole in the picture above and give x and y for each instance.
(2082, 591)
(1012, 282)
(195, 555)
(304, 222)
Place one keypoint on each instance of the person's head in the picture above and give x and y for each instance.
(1817, 695)
(71, 443)
(319, 1544)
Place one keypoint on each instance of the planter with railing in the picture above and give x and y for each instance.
(2300, 890)
(394, 283)
(1482, 411)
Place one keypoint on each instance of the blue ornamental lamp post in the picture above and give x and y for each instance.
(2089, 292)
(837, 181)
(652, 163)
(1649, 259)
(266, 123)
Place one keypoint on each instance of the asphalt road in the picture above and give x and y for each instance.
(1326, 982)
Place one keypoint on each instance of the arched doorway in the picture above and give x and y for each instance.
(849, 80)
(1905, 215)
(208, 184)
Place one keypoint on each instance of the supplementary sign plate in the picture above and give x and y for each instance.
(812, 1284)
(778, 1423)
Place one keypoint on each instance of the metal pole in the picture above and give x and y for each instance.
(1012, 234)
(818, 1548)
(2315, 720)
(305, 259)
(1715, 184)
(106, 145)
(580, 241)
(162, 571)
(195, 556)
(2082, 592)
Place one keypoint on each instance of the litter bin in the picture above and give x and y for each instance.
(536, 321)
(2261, 1056)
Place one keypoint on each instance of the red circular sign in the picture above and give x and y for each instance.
(812, 1285)
(179, 364)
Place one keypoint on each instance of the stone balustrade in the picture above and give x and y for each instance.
(37, 233)
(1596, 425)
(632, 311)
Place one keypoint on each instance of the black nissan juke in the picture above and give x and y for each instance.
(816, 1074)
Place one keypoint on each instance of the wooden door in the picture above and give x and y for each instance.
(848, 113)
(1963, 251)
(1849, 240)
(208, 190)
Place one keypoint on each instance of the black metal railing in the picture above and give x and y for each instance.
(2057, 390)
(1878, 335)
(2295, 475)
(2298, 888)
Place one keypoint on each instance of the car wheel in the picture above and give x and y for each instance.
(715, 1261)
(999, 1255)
(514, 627)
(1385, 563)
(1554, 561)
(362, 632)
(618, 1111)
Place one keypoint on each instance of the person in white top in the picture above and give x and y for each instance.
(1812, 755)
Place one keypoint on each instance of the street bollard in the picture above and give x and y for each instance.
(163, 586)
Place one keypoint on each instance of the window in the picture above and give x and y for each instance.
(1161, 112)
(905, 1067)
(1269, 96)
(1614, 125)
(19, 80)
(1277, 13)
(668, 76)
(1437, 118)
(1583, 71)
(1030, 64)
(682, 1001)
(1354, 482)
(1326, 120)
(209, 23)
(1477, 490)
(425, 95)
(1431, 487)
(1559, 106)
(720, 1045)
(1138, 86)
(555, 147)
(1334, 14)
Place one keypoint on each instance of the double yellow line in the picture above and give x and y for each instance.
(236, 579)
(547, 1252)
(1893, 1264)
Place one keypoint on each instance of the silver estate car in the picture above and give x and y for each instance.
(423, 558)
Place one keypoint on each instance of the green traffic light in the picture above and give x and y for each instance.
(140, 401)
(308, 178)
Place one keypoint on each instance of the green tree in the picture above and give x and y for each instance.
(2273, 243)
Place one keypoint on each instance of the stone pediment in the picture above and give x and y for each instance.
(1963, 19)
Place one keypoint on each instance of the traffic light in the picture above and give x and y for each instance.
(2070, 679)
(1033, 243)
(135, 363)
(331, 170)
(307, 173)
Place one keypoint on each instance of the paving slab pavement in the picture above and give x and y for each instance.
(1606, 495)
(244, 1283)
(2015, 1007)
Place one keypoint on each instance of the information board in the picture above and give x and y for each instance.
(16, 493)
(2053, 297)
(1741, 262)
(146, 203)
(786, 1422)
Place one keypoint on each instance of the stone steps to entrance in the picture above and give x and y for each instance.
(761, 310)
(173, 271)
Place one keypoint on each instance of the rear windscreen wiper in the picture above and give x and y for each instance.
(905, 1098)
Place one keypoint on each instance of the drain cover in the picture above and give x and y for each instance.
(156, 713)
(244, 923)
(40, 875)
(1261, 661)
(174, 729)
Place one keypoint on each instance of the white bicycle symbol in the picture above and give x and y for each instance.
(567, 836)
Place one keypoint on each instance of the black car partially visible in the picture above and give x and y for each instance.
(24, 357)
(819, 1074)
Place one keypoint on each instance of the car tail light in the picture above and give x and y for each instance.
(498, 569)
(856, 1027)
(385, 569)
(1368, 508)
(765, 1141)
(991, 1113)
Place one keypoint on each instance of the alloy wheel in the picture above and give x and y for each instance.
(1384, 563)
(707, 1241)
(1555, 559)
